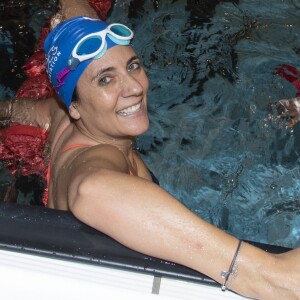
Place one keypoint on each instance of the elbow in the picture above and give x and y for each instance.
(83, 192)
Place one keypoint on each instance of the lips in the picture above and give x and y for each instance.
(130, 110)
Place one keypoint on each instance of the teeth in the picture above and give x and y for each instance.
(129, 110)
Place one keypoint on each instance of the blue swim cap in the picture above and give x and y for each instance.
(63, 69)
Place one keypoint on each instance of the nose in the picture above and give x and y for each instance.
(131, 86)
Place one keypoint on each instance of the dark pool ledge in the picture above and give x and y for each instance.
(52, 233)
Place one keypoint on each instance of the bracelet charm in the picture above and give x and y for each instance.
(233, 269)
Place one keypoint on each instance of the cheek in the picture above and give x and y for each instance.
(107, 100)
(94, 99)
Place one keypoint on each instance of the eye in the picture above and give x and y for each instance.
(104, 80)
(134, 66)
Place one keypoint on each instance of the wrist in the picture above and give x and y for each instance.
(6, 108)
(256, 276)
(232, 272)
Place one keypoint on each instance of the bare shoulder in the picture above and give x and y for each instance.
(79, 164)
(143, 170)
(100, 157)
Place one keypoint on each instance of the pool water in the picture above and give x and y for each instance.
(212, 142)
(20, 24)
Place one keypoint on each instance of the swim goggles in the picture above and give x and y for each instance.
(94, 45)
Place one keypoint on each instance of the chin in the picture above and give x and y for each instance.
(139, 128)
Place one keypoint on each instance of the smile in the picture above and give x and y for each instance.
(130, 110)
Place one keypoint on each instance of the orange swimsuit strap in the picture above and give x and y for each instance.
(74, 146)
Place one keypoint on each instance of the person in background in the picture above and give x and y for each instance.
(94, 172)
(289, 109)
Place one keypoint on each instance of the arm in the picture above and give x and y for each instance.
(73, 8)
(33, 112)
(38, 112)
(289, 109)
(68, 9)
(144, 217)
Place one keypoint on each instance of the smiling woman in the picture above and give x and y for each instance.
(95, 173)
(115, 91)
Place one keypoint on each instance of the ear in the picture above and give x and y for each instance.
(73, 111)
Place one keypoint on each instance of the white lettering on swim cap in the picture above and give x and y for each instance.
(52, 58)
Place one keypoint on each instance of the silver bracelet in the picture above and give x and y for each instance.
(233, 269)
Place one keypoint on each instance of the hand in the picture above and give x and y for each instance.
(289, 109)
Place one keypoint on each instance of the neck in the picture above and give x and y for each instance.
(123, 144)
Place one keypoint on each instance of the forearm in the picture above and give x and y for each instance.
(73, 8)
(15, 111)
(149, 220)
(27, 112)
(24, 112)
(289, 109)
(68, 9)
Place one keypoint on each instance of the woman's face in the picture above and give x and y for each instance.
(112, 95)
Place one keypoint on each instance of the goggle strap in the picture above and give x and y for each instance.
(61, 76)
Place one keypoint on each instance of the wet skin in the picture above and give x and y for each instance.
(112, 97)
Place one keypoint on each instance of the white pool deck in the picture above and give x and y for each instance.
(26, 276)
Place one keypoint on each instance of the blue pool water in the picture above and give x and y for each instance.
(213, 143)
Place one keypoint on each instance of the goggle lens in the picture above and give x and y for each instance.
(89, 46)
(121, 31)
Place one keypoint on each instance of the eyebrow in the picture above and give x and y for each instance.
(132, 59)
(109, 69)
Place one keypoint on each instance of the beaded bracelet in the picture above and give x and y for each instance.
(233, 269)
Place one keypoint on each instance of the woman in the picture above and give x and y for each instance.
(94, 172)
